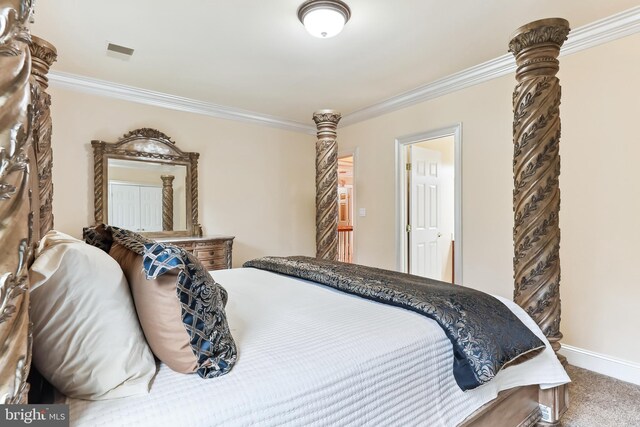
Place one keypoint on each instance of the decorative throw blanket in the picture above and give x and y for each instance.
(485, 334)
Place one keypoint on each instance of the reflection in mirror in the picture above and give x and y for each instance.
(146, 196)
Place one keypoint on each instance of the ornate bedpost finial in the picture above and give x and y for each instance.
(43, 55)
(536, 47)
(536, 168)
(327, 184)
(327, 123)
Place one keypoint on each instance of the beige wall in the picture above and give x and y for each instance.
(600, 208)
(255, 182)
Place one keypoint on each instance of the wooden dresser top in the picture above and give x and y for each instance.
(194, 239)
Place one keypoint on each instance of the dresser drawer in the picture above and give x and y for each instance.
(214, 264)
(211, 252)
(187, 246)
(208, 244)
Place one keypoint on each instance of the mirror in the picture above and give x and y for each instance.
(144, 183)
(147, 196)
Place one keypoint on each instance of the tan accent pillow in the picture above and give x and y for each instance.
(87, 341)
(159, 311)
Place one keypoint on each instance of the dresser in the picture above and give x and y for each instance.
(214, 252)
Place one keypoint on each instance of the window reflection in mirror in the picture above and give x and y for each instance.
(135, 191)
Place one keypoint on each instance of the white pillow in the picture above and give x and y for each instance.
(87, 341)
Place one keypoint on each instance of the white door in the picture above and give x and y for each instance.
(124, 206)
(424, 213)
(135, 207)
(150, 208)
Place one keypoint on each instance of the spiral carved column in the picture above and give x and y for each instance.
(167, 202)
(536, 168)
(43, 55)
(195, 225)
(98, 182)
(327, 184)
(16, 221)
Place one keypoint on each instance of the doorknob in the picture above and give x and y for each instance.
(439, 234)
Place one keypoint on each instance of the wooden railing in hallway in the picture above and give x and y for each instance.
(345, 243)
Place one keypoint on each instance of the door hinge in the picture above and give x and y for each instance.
(408, 166)
(408, 228)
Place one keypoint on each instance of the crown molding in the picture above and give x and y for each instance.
(605, 30)
(590, 35)
(164, 100)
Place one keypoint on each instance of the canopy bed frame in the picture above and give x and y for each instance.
(26, 189)
(26, 199)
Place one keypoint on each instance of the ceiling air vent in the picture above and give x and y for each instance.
(119, 49)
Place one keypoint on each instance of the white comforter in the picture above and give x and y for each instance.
(310, 355)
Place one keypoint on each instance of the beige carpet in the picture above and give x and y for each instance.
(596, 400)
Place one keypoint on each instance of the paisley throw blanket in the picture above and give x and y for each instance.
(485, 334)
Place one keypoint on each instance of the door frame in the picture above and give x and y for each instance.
(401, 196)
(353, 153)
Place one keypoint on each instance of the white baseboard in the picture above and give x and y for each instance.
(602, 364)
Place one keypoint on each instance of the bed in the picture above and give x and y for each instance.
(310, 354)
(347, 377)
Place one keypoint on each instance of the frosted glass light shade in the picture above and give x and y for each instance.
(324, 23)
(324, 18)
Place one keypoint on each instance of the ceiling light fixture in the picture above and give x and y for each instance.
(324, 18)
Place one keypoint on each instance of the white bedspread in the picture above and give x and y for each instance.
(310, 355)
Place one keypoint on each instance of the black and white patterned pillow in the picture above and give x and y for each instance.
(202, 299)
(98, 236)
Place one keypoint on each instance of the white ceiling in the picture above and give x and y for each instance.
(255, 54)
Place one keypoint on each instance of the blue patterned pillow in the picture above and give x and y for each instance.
(202, 300)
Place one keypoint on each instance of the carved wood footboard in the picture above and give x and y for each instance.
(522, 407)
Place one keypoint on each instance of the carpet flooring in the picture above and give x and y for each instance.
(599, 401)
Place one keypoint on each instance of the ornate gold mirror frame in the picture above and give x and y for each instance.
(153, 146)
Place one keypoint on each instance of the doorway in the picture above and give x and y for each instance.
(346, 202)
(429, 197)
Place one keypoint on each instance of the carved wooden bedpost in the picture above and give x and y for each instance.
(536, 168)
(167, 202)
(16, 225)
(43, 54)
(327, 184)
